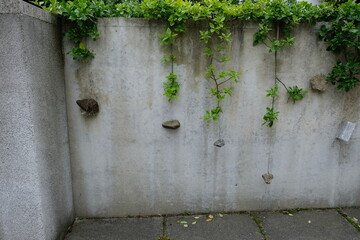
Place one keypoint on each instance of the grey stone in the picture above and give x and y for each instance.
(173, 124)
(319, 83)
(345, 131)
(308, 225)
(229, 227)
(267, 177)
(88, 106)
(219, 143)
(117, 229)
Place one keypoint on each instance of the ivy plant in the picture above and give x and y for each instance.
(342, 36)
(276, 21)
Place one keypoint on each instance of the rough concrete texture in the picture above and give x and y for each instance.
(309, 225)
(124, 162)
(23, 8)
(229, 227)
(35, 180)
(119, 229)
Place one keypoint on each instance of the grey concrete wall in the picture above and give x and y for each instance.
(125, 163)
(35, 179)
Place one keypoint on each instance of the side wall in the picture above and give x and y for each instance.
(35, 179)
(125, 163)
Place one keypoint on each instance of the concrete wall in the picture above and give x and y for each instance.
(35, 179)
(125, 163)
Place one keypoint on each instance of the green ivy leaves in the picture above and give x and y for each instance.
(296, 93)
(168, 37)
(171, 87)
(345, 75)
(272, 92)
(343, 36)
(277, 19)
(81, 53)
(270, 117)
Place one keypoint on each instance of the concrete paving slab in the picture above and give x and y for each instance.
(117, 229)
(308, 225)
(229, 227)
(353, 213)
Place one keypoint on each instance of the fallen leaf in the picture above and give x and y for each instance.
(193, 223)
(185, 225)
(290, 214)
(197, 217)
(220, 215)
(209, 219)
(183, 222)
(309, 221)
(355, 219)
(211, 216)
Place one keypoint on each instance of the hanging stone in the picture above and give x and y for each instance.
(267, 177)
(345, 131)
(319, 83)
(173, 124)
(88, 106)
(219, 143)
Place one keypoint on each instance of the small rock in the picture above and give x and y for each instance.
(345, 131)
(173, 124)
(319, 82)
(267, 177)
(89, 106)
(219, 143)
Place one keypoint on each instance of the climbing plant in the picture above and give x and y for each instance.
(276, 20)
(343, 37)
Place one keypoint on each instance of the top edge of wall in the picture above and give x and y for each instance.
(23, 8)
(148, 22)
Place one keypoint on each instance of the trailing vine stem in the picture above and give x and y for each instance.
(218, 31)
(296, 93)
(171, 86)
(341, 35)
(275, 61)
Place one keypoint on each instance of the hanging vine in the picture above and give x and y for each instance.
(274, 45)
(277, 19)
(218, 32)
(343, 38)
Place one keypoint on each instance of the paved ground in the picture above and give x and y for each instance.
(330, 224)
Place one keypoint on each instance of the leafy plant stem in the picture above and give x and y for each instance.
(172, 54)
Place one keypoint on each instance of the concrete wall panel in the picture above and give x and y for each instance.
(35, 175)
(125, 163)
